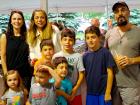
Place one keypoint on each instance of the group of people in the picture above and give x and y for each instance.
(41, 67)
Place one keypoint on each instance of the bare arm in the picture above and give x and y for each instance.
(109, 84)
(80, 79)
(3, 42)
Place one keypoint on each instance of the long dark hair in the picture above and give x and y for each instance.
(23, 30)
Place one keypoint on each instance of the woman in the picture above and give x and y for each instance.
(40, 29)
(14, 49)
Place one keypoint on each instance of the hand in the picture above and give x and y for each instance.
(74, 91)
(33, 61)
(123, 61)
(107, 97)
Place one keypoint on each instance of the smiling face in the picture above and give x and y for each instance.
(12, 81)
(39, 19)
(67, 43)
(16, 21)
(62, 70)
(121, 15)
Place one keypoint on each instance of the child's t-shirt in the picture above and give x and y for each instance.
(66, 86)
(96, 64)
(75, 65)
(13, 97)
(42, 95)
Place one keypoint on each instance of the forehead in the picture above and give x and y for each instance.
(119, 7)
(39, 13)
(17, 15)
(90, 34)
(47, 47)
(62, 64)
(14, 75)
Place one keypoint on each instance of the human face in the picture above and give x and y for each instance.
(67, 44)
(47, 52)
(16, 21)
(41, 78)
(39, 19)
(122, 15)
(93, 41)
(12, 81)
(62, 70)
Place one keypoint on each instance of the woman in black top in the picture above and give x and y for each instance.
(14, 49)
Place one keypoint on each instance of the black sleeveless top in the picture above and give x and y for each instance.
(17, 53)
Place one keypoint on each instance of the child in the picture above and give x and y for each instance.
(15, 93)
(76, 68)
(42, 92)
(98, 64)
(61, 68)
(47, 51)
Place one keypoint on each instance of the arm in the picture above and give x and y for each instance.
(53, 74)
(62, 93)
(123, 61)
(80, 79)
(3, 42)
(109, 84)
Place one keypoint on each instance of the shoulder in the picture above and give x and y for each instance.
(55, 28)
(109, 32)
(58, 54)
(3, 36)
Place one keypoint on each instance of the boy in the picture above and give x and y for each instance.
(42, 92)
(61, 68)
(47, 51)
(98, 63)
(76, 69)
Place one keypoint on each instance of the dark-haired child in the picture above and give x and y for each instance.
(98, 63)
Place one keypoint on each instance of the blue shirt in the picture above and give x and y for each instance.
(66, 86)
(96, 64)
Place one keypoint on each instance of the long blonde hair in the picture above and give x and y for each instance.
(47, 30)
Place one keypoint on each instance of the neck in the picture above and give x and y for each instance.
(70, 51)
(95, 48)
(126, 27)
(16, 32)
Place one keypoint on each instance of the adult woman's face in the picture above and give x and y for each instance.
(39, 19)
(16, 21)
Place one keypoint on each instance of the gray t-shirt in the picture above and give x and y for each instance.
(126, 45)
(13, 97)
(75, 65)
(42, 95)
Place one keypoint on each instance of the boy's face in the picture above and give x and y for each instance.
(62, 70)
(92, 40)
(42, 78)
(67, 43)
(47, 52)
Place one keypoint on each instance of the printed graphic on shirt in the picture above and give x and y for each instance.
(16, 100)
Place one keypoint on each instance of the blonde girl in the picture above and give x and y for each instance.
(15, 93)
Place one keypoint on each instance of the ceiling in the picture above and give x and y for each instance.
(63, 5)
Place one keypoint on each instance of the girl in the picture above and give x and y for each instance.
(98, 63)
(15, 93)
